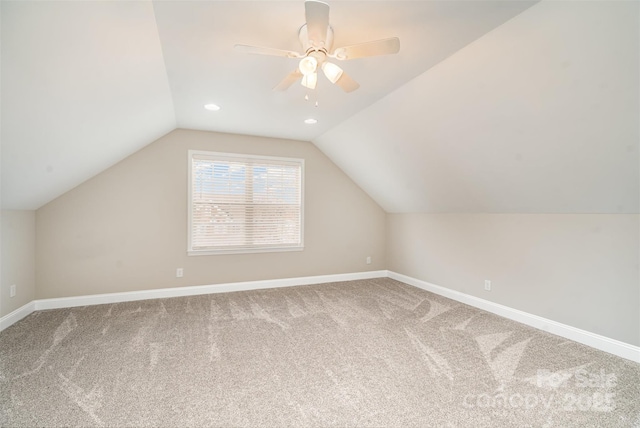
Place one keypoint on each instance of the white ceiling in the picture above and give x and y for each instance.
(198, 37)
(490, 106)
(85, 84)
(539, 116)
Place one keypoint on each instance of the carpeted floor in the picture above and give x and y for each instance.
(361, 353)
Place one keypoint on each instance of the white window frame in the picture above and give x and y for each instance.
(239, 157)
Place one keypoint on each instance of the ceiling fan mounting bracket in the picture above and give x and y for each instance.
(308, 46)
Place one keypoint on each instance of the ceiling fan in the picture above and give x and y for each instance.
(316, 37)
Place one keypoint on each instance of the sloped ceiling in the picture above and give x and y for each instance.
(85, 84)
(539, 116)
(491, 106)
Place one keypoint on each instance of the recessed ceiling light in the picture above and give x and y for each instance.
(212, 107)
(310, 121)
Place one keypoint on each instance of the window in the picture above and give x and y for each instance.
(244, 203)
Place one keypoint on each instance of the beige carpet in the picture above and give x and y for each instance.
(361, 353)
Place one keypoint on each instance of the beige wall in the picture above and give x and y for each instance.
(126, 228)
(18, 237)
(577, 269)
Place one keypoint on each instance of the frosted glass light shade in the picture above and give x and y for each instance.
(308, 65)
(310, 80)
(332, 71)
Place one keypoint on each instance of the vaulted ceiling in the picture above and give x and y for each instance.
(490, 106)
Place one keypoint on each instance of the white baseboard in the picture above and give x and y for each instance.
(130, 296)
(17, 315)
(101, 299)
(602, 343)
(612, 346)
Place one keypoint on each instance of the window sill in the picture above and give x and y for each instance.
(243, 251)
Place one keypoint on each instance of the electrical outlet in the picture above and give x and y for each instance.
(487, 285)
(179, 273)
(12, 291)
(369, 260)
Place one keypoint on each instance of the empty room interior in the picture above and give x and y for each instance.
(307, 213)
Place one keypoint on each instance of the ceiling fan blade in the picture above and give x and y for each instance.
(288, 81)
(361, 50)
(257, 50)
(347, 83)
(317, 16)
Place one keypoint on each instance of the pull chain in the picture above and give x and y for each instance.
(314, 96)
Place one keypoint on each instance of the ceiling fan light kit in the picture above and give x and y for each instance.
(316, 38)
(332, 71)
(310, 80)
(308, 65)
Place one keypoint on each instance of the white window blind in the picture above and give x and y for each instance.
(243, 203)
